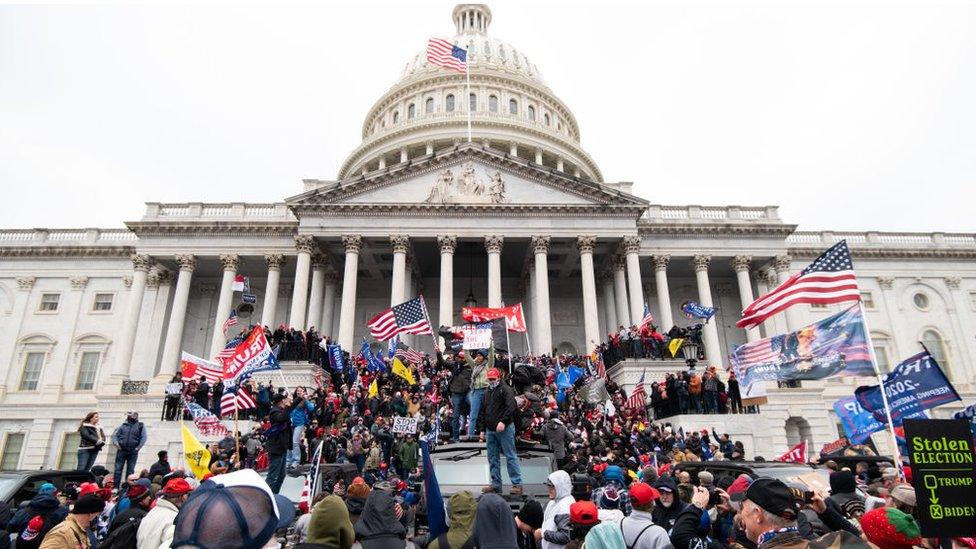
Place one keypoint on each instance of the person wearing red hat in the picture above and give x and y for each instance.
(638, 529)
(497, 417)
(156, 528)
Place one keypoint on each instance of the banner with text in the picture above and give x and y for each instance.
(914, 385)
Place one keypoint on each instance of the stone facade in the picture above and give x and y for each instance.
(520, 214)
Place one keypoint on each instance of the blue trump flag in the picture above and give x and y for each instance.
(436, 517)
(695, 310)
(373, 362)
(914, 385)
(336, 361)
(858, 423)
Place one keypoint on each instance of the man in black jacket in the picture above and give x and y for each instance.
(278, 440)
(497, 420)
(459, 386)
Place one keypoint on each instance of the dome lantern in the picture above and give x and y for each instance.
(471, 18)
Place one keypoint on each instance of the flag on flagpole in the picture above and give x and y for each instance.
(408, 355)
(374, 389)
(513, 315)
(229, 349)
(442, 53)
(436, 520)
(207, 423)
(230, 322)
(796, 454)
(193, 367)
(305, 500)
(241, 284)
(243, 399)
(373, 362)
(647, 319)
(829, 279)
(402, 371)
(675, 345)
(197, 456)
(408, 317)
(638, 397)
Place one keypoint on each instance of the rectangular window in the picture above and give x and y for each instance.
(69, 452)
(868, 300)
(881, 353)
(12, 445)
(32, 371)
(49, 302)
(87, 371)
(103, 302)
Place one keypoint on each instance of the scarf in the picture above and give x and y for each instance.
(767, 536)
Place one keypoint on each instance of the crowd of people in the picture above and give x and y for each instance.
(645, 341)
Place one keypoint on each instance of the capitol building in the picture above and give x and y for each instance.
(96, 318)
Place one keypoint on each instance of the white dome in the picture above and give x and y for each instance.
(484, 52)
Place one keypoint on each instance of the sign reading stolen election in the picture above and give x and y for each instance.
(944, 476)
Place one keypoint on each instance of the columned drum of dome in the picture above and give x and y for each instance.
(511, 108)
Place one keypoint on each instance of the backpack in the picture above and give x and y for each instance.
(123, 537)
(628, 545)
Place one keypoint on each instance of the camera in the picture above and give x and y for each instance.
(714, 497)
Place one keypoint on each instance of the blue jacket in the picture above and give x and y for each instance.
(131, 435)
(299, 416)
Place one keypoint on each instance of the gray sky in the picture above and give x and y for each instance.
(848, 116)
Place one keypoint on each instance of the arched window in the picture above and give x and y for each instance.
(396, 116)
(429, 105)
(493, 103)
(411, 110)
(512, 106)
(545, 117)
(449, 102)
(487, 49)
(501, 52)
(472, 102)
(531, 113)
(937, 348)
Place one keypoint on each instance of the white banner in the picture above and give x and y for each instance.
(478, 338)
(405, 425)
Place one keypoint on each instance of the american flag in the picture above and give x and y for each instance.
(442, 53)
(408, 317)
(601, 368)
(207, 423)
(228, 350)
(647, 320)
(829, 279)
(244, 401)
(638, 396)
(231, 321)
(408, 355)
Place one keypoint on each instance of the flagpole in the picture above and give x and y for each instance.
(423, 301)
(881, 386)
(467, 76)
(237, 431)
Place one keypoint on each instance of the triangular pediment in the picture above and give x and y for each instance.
(468, 175)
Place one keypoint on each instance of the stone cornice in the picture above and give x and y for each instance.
(455, 210)
(223, 228)
(124, 252)
(890, 253)
(716, 229)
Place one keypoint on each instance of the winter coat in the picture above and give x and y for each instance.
(330, 525)
(67, 535)
(378, 527)
(160, 468)
(409, 454)
(92, 437)
(558, 437)
(461, 515)
(43, 505)
(131, 435)
(278, 436)
(499, 407)
(635, 535)
(157, 527)
(494, 527)
(555, 519)
(373, 458)
(665, 517)
(461, 379)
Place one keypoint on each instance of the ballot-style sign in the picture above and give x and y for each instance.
(405, 425)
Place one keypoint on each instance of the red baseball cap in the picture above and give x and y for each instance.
(584, 512)
(176, 487)
(642, 493)
(494, 373)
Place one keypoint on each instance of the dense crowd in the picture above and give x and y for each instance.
(645, 341)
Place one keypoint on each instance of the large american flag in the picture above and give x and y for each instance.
(829, 279)
(230, 322)
(408, 317)
(647, 319)
(442, 53)
(229, 349)
(408, 355)
(638, 396)
(244, 401)
(207, 423)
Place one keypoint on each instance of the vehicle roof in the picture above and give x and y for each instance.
(463, 446)
(37, 473)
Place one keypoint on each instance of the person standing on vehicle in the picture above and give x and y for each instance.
(301, 415)
(128, 439)
(497, 418)
(278, 440)
(479, 384)
(460, 386)
(92, 441)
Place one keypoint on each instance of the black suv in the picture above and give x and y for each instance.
(787, 472)
(17, 487)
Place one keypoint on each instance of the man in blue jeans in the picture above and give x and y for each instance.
(278, 440)
(497, 418)
(479, 383)
(301, 415)
(128, 439)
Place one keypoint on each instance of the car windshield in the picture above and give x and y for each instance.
(8, 485)
(467, 469)
(818, 479)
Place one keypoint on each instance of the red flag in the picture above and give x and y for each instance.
(796, 454)
(514, 318)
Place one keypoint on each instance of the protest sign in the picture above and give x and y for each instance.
(477, 338)
(944, 476)
(405, 425)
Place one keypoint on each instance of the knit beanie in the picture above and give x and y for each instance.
(890, 528)
(531, 514)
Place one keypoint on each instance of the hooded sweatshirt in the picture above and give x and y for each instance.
(378, 527)
(45, 506)
(460, 513)
(555, 519)
(329, 526)
(494, 526)
(666, 516)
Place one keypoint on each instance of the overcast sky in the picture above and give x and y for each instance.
(848, 116)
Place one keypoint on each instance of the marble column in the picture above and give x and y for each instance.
(172, 348)
(493, 245)
(533, 308)
(665, 320)
(328, 304)
(400, 244)
(225, 302)
(634, 286)
(347, 311)
(299, 298)
(540, 247)
(591, 323)
(620, 292)
(609, 303)
(319, 263)
(130, 322)
(775, 324)
(448, 244)
(741, 265)
(713, 353)
(275, 263)
(782, 265)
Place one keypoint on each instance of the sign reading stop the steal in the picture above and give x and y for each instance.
(944, 476)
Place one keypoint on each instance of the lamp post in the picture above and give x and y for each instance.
(690, 351)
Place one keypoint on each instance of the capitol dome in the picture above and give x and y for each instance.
(512, 108)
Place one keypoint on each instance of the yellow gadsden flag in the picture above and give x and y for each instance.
(374, 389)
(402, 371)
(674, 345)
(197, 455)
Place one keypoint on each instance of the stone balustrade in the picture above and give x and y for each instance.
(658, 213)
(874, 239)
(71, 237)
(227, 211)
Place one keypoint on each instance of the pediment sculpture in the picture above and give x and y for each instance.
(467, 187)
